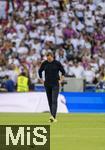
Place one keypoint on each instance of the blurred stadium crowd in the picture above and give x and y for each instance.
(73, 29)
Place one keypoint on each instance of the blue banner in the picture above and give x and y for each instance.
(85, 102)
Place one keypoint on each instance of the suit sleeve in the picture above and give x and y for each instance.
(41, 69)
(61, 68)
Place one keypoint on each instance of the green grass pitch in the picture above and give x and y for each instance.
(71, 132)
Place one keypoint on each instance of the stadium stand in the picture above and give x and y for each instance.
(73, 29)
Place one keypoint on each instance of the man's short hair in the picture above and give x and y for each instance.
(50, 54)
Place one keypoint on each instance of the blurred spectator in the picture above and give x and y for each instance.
(77, 70)
(72, 29)
(23, 83)
(89, 75)
(9, 84)
(2, 86)
(100, 87)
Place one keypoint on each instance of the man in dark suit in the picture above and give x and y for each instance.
(51, 67)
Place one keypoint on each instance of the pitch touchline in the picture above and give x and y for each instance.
(77, 136)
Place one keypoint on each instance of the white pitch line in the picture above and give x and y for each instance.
(76, 136)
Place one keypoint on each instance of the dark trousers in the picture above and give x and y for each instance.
(52, 95)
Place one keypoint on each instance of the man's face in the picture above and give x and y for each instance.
(49, 58)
